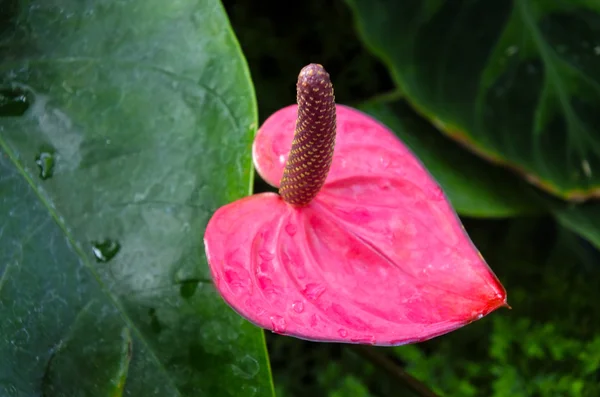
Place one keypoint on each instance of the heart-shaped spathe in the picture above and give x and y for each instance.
(379, 256)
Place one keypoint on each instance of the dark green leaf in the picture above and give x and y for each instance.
(123, 126)
(583, 219)
(91, 347)
(517, 81)
(474, 187)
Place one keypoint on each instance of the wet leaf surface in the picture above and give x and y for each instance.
(123, 126)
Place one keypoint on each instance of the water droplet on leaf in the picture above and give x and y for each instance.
(512, 50)
(188, 288)
(246, 368)
(105, 250)
(278, 323)
(14, 102)
(45, 162)
(154, 323)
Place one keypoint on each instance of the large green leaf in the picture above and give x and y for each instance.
(583, 219)
(123, 125)
(516, 81)
(474, 187)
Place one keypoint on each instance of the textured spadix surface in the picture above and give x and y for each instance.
(379, 256)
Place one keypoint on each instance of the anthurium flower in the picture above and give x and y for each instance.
(360, 246)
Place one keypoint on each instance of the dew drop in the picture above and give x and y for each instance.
(278, 323)
(437, 193)
(12, 390)
(14, 102)
(266, 255)
(188, 288)
(291, 229)
(298, 306)
(249, 391)
(384, 184)
(587, 170)
(45, 162)
(246, 368)
(384, 161)
(105, 250)
(512, 50)
(313, 291)
(343, 333)
(154, 323)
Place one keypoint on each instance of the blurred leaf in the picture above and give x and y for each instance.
(474, 187)
(583, 219)
(280, 37)
(518, 82)
(123, 126)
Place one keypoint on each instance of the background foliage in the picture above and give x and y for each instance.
(544, 249)
(125, 123)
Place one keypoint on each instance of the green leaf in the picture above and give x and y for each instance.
(583, 219)
(474, 187)
(123, 126)
(84, 350)
(516, 81)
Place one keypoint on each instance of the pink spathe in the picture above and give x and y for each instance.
(378, 256)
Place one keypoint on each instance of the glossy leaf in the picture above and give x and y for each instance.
(90, 347)
(475, 188)
(516, 81)
(123, 125)
(377, 257)
(583, 219)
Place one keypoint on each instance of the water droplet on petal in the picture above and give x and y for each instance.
(45, 162)
(343, 333)
(314, 320)
(437, 193)
(278, 323)
(384, 161)
(266, 255)
(238, 281)
(14, 102)
(105, 250)
(313, 291)
(291, 229)
(384, 184)
(298, 306)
